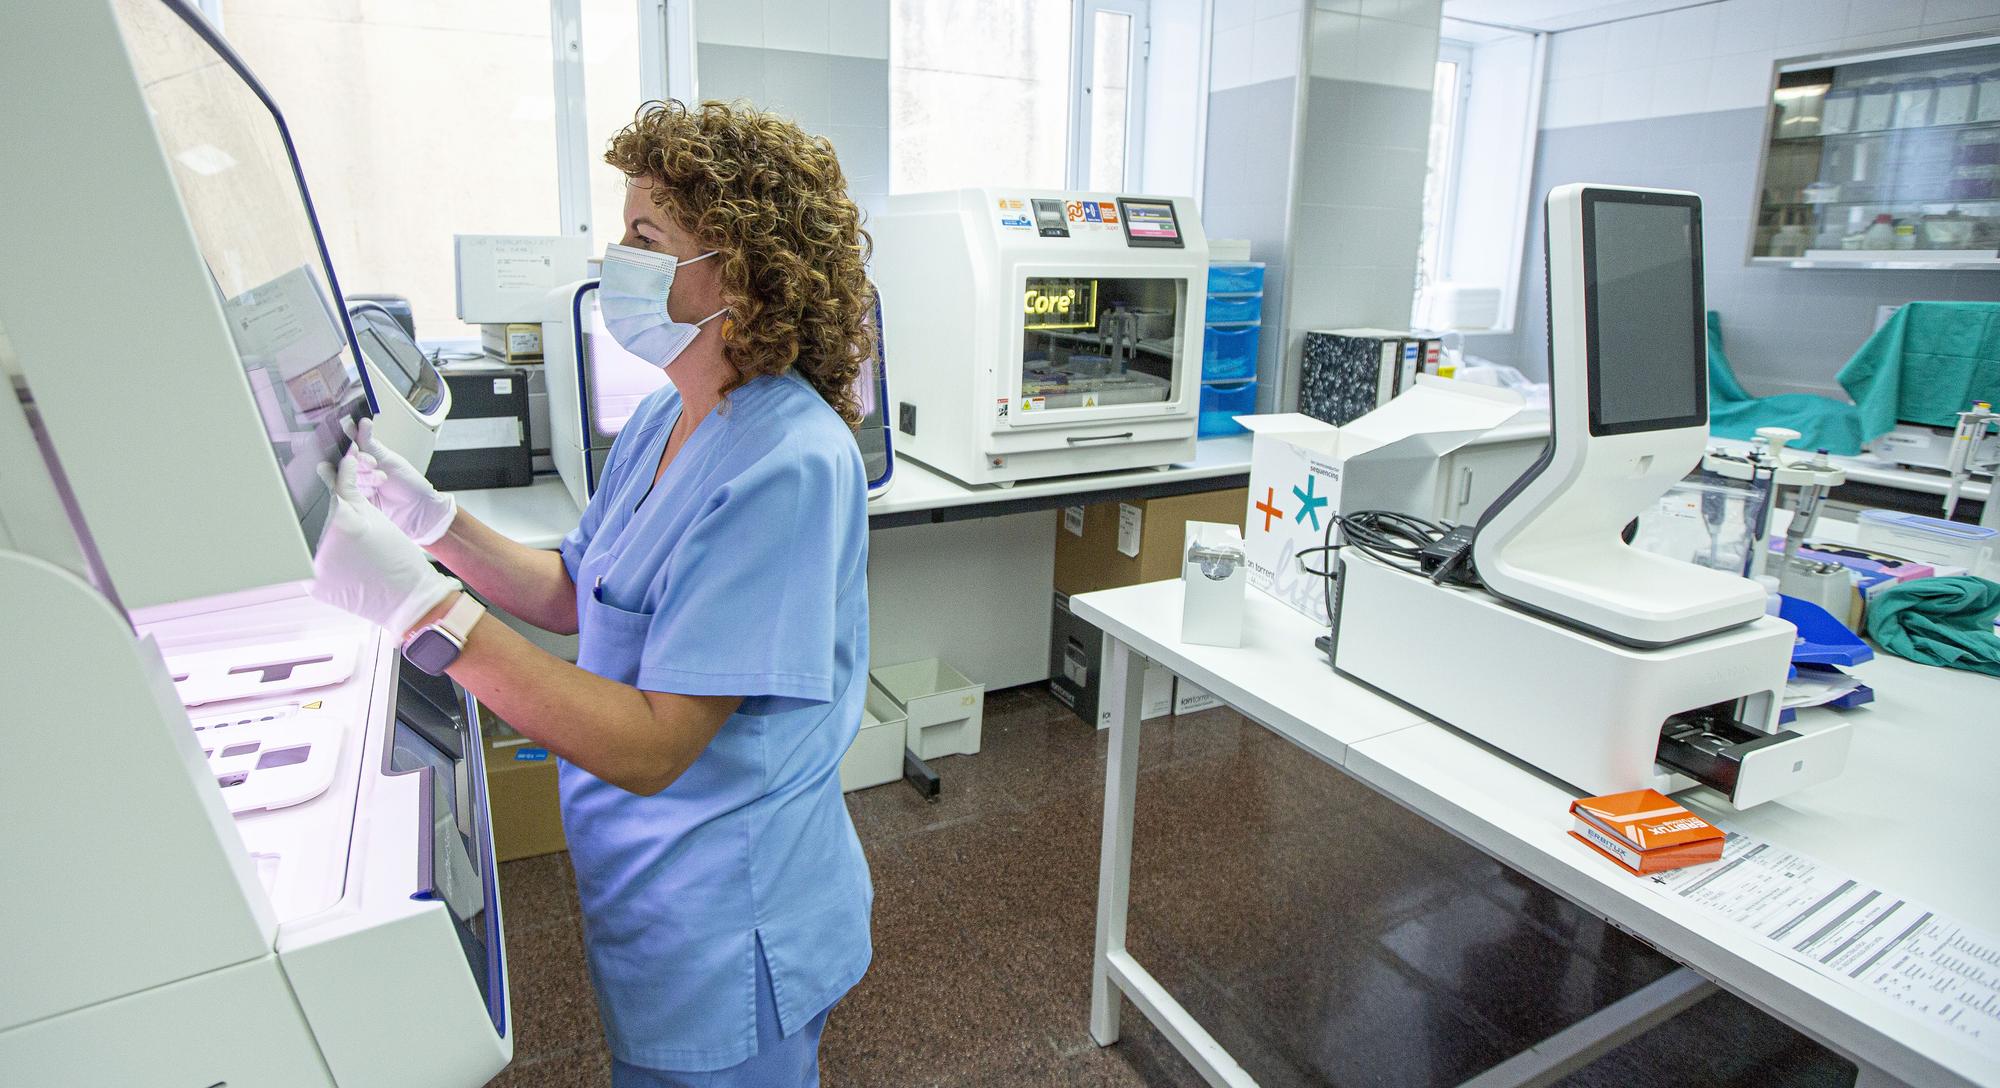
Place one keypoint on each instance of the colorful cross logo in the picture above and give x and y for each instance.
(1309, 503)
(1269, 511)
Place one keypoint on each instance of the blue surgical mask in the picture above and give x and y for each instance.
(632, 295)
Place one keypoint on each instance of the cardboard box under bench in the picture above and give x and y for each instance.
(520, 793)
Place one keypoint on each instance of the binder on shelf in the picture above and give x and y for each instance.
(1348, 373)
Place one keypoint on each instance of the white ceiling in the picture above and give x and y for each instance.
(1558, 14)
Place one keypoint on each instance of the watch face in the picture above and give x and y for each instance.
(432, 651)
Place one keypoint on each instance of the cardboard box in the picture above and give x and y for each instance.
(1114, 544)
(1303, 471)
(520, 793)
(1076, 659)
(1191, 698)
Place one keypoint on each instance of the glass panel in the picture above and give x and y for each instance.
(978, 94)
(242, 195)
(611, 97)
(1437, 178)
(1110, 84)
(1885, 155)
(415, 121)
(1096, 343)
(457, 874)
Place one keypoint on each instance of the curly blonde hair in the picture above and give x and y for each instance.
(772, 201)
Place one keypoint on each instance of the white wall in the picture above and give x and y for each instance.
(1719, 56)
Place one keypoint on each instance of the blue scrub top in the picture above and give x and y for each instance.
(743, 572)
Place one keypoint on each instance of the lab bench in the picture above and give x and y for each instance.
(1919, 753)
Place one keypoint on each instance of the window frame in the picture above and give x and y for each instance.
(1083, 47)
(1459, 53)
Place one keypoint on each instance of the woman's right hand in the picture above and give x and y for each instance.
(396, 488)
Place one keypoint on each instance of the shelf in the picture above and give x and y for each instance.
(1927, 201)
(1966, 126)
(1916, 259)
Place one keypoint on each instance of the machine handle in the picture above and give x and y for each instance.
(1074, 440)
(1465, 485)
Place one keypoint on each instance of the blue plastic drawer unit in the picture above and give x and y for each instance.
(1220, 404)
(1234, 309)
(1244, 278)
(1229, 354)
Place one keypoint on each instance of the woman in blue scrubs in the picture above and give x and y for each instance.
(718, 586)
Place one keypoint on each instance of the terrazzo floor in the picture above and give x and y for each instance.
(1322, 934)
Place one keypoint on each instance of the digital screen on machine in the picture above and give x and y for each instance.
(617, 380)
(1648, 359)
(253, 223)
(1150, 223)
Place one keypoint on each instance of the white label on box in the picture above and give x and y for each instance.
(479, 433)
(1129, 519)
(502, 386)
(1073, 520)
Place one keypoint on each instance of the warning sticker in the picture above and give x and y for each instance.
(1107, 211)
(1034, 404)
(1000, 409)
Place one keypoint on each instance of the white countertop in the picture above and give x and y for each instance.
(919, 487)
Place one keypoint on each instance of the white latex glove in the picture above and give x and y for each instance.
(366, 565)
(397, 489)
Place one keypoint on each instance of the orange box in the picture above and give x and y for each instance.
(1644, 831)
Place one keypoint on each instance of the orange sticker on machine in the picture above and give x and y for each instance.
(1108, 211)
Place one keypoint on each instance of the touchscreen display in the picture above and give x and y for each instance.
(1150, 223)
(1648, 358)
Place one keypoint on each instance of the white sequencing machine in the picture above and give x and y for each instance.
(1623, 669)
(1035, 333)
(233, 854)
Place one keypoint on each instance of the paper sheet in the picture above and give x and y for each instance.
(1868, 939)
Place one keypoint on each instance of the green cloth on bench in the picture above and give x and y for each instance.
(1939, 621)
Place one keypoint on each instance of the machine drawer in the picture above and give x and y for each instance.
(1745, 765)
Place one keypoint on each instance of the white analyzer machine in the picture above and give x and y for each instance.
(1034, 333)
(233, 854)
(1631, 670)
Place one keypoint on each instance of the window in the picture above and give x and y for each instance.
(1109, 117)
(1484, 113)
(1449, 89)
(978, 94)
(417, 123)
(411, 126)
(1044, 94)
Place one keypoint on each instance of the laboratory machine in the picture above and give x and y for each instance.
(1038, 333)
(230, 857)
(1623, 669)
(595, 386)
(407, 421)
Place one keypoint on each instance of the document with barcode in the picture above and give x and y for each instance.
(1867, 938)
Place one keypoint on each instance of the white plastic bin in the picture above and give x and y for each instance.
(876, 756)
(1935, 541)
(942, 706)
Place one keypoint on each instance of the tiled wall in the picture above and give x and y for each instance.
(824, 63)
(1361, 166)
(1677, 100)
(1252, 119)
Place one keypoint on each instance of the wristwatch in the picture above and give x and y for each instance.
(434, 646)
